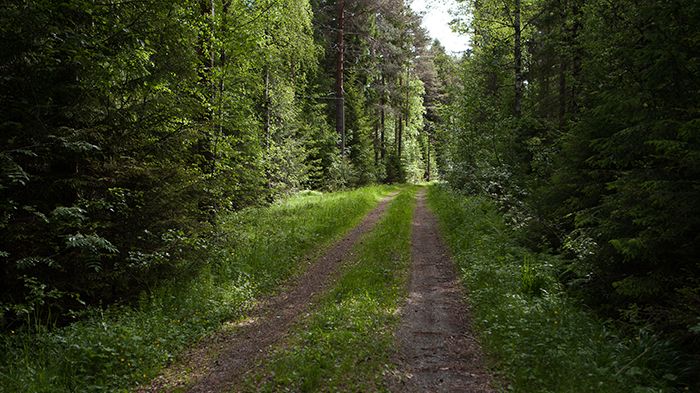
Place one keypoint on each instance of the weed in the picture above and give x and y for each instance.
(346, 343)
(114, 348)
(538, 339)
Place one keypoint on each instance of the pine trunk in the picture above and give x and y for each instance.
(517, 109)
(339, 78)
(382, 141)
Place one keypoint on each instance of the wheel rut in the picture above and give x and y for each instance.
(436, 349)
(219, 362)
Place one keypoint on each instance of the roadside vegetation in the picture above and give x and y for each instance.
(115, 347)
(346, 343)
(538, 338)
(139, 140)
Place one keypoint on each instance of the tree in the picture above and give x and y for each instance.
(592, 152)
(129, 127)
(340, 77)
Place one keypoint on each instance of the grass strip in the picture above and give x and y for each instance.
(346, 343)
(538, 339)
(114, 348)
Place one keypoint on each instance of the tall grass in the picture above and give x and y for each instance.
(114, 348)
(538, 339)
(346, 343)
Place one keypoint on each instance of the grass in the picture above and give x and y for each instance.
(115, 348)
(538, 339)
(346, 343)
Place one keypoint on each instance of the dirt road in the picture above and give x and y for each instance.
(437, 352)
(218, 363)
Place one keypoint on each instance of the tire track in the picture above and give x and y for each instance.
(241, 347)
(437, 351)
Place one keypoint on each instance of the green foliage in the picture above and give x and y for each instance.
(111, 349)
(385, 51)
(129, 126)
(601, 165)
(540, 339)
(359, 141)
(412, 159)
(535, 279)
(635, 193)
(340, 173)
(289, 57)
(347, 341)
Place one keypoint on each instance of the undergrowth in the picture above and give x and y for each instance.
(346, 343)
(538, 339)
(115, 348)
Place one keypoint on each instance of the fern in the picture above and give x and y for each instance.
(73, 146)
(12, 171)
(68, 215)
(29, 262)
(93, 243)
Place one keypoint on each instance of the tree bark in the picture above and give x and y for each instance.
(399, 129)
(427, 175)
(407, 104)
(517, 29)
(563, 65)
(268, 110)
(399, 137)
(562, 92)
(339, 78)
(206, 144)
(375, 144)
(576, 49)
(382, 141)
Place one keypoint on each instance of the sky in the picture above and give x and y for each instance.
(436, 21)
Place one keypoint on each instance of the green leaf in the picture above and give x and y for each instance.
(29, 262)
(92, 243)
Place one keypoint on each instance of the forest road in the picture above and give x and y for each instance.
(220, 362)
(437, 352)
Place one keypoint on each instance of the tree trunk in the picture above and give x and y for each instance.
(576, 49)
(375, 144)
(268, 109)
(517, 108)
(382, 142)
(209, 85)
(399, 130)
(339, 78)
(562, 92)
(223, 59)
(407, 104)
(399, 137)
(214, 91)
(427, 175)
(563, 95)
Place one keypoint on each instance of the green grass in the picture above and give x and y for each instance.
(346, 343)
(538, 339)
(115, 348)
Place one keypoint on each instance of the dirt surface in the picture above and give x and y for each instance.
(219, 362)
(437, 351)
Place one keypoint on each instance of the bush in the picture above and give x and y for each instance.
(538, 338)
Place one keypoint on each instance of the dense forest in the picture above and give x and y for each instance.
(128, 128)
(581, 119)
